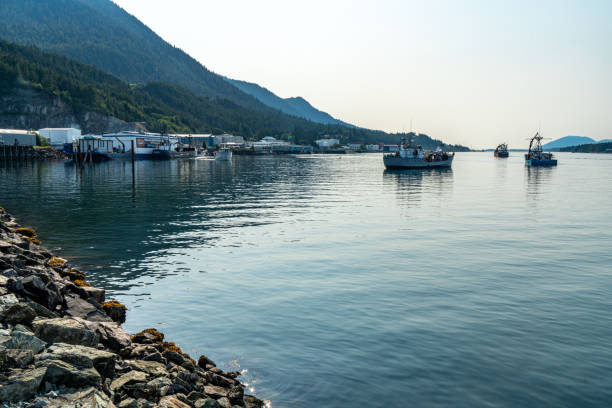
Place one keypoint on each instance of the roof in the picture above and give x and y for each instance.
(15, 131)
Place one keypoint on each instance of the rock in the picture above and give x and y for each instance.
(195, 395)
(19, 358)
(77, 307)
(19, 313)
(115, 311)
(152, 368)
(207, 403)
(159, 383)
(236, 395)
(173, 357)
(110, 334)
(215, 391)
(25, 340)
(81, 356)
(171, 401)
(128, 378)
(88, 398)
(96, 293)
(252, 402)
(203, 361)
(224, 402)
(22, 384)
(62, 373)
(7, 300)
(64, 330)
(42, 311)
(221, 381)
(156, 356)
(141, 351)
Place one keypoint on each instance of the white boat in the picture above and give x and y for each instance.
(224, 154)
(408, 157)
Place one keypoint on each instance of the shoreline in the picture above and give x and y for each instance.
(62, 345)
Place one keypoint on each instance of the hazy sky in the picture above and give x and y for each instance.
(470, 72)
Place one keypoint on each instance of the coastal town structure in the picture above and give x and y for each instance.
(15, 137)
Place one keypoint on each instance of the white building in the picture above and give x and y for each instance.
(327, 143)
(354, 146)
(57, 137)
(12, 137)
(373, 148)
(228, 139)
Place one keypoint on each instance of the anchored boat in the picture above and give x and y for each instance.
(535, 156)
(224, 154)
(501, 150)
(408, 157)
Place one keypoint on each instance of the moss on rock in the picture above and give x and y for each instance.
(56, 262)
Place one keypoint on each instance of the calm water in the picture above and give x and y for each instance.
(337, 284)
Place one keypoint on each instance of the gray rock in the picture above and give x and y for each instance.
(173, 357)
(96, 293)
(215, 391)
(172, 401)
(156, 356)
(19, 358)
(110, 334)
(22, 384)
(62, 373)
(128, 378)
(81, 356)
(152, 368)
(207, 403)
(195, 395)
(88, 398)
(77, 307)
(18, 313)
(7, 300)
(25, 340)
(236, 395)
(64, 330)
(224, 402)
(252, 402)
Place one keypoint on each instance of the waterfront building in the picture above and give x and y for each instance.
(18, 137)
(58, 137)
(390, 148)
(354, 146)
(374, 148)
(327, 143)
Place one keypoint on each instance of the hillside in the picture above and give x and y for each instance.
(118, 43)
(296, 106)
(568, 141)
(39, 89)
(590, 148)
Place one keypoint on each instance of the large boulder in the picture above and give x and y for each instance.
(21, 384)
(152, 368)
(25, 340)
(83, 357)
(110, 334)
(18, 313)
(128, 378)
(65, 330)
(253, 402)
(215, 391)
(62, 373)
(78, 307)
(172, 401)
(88, 398)
(206, 403)
(236, 395)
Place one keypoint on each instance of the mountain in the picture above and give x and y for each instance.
(568, 141)
(600, 147)
(296, 106)
(40, 89)
(100, 33)
(605, 141)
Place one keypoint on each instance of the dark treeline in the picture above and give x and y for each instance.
(590, 148)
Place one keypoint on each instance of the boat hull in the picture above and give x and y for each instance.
(535, 162)
(162, 154)
(501, 154)
(395, 162)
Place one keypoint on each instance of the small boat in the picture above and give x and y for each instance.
(535, 156)
(501, 150)
(408, 157)
(224, 154)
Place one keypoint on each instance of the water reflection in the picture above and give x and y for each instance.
(412, 187)
(538, 182)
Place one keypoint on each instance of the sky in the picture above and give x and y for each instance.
(473, 72)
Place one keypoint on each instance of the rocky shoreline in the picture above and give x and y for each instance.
(62, 345)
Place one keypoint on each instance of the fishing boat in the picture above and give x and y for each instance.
(501, 150)
(535, 156)
(224, 154)
(408, 157)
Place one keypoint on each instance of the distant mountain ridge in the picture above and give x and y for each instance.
(568, 141)
(296, 106)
